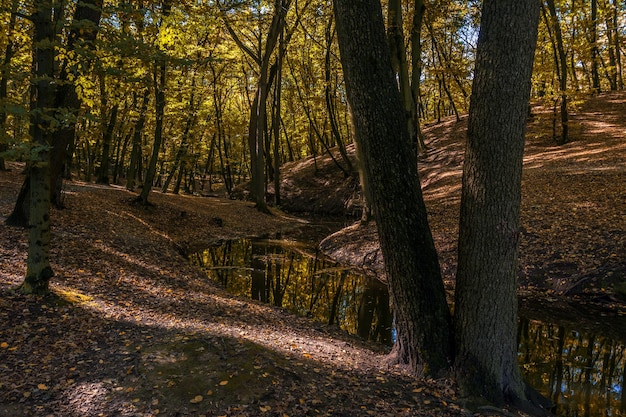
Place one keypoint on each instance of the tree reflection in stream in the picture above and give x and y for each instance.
(583, 374)
(300, 279)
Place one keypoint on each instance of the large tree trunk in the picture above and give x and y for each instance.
(422, 317)
(486, 298)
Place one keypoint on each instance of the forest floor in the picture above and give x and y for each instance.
(132, 329)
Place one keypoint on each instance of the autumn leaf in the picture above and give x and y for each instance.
(196, 399)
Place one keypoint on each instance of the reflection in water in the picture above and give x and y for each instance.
(301, 280)
(582, 374)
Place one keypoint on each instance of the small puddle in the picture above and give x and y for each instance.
(580, 372)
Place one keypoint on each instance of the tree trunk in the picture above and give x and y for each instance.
(485, 297)
(103, 172)
(159, 102)
(561, 69)
(5, 74)
(258, 110)
(595, 53)
(616, 44)
(135, 153)
(416, 68)
(395, 37)
(182, 150)
(39, 272)
(422, 317)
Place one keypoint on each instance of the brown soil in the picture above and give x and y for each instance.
(131, 329)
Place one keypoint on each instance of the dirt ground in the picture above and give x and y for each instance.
(132, 329)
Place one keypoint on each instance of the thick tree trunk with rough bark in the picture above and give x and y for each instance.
(486, 297)
(422, 316)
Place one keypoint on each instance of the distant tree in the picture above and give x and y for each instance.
(159, 78)
(422, 317)
(5, 74)
(261, 54)
(560, 63)
(486, 285)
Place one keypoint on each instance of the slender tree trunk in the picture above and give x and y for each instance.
(276, 118)
(595, 53)
(416, 68)
(329, 92)
(160, 71)
(486, 284)
(39, 272)
(561, 68)
(5, 75)
(422, 317)
(610, 31)
(135, 153)
(107, 137)
(182, 151)
(617, 43)
(258, 111)
(395, 37)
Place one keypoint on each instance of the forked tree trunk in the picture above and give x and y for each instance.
(486, 286)
(422, 317)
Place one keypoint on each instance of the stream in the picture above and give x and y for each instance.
(582, 372)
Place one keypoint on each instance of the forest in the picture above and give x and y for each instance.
(304, 207)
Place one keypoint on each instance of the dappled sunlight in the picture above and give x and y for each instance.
(576, 156)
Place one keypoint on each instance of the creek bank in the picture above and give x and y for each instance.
(573, 227)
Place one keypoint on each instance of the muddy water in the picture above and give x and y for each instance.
(581, 372)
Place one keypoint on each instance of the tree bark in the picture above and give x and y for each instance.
(485, 297)
(422, 317)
